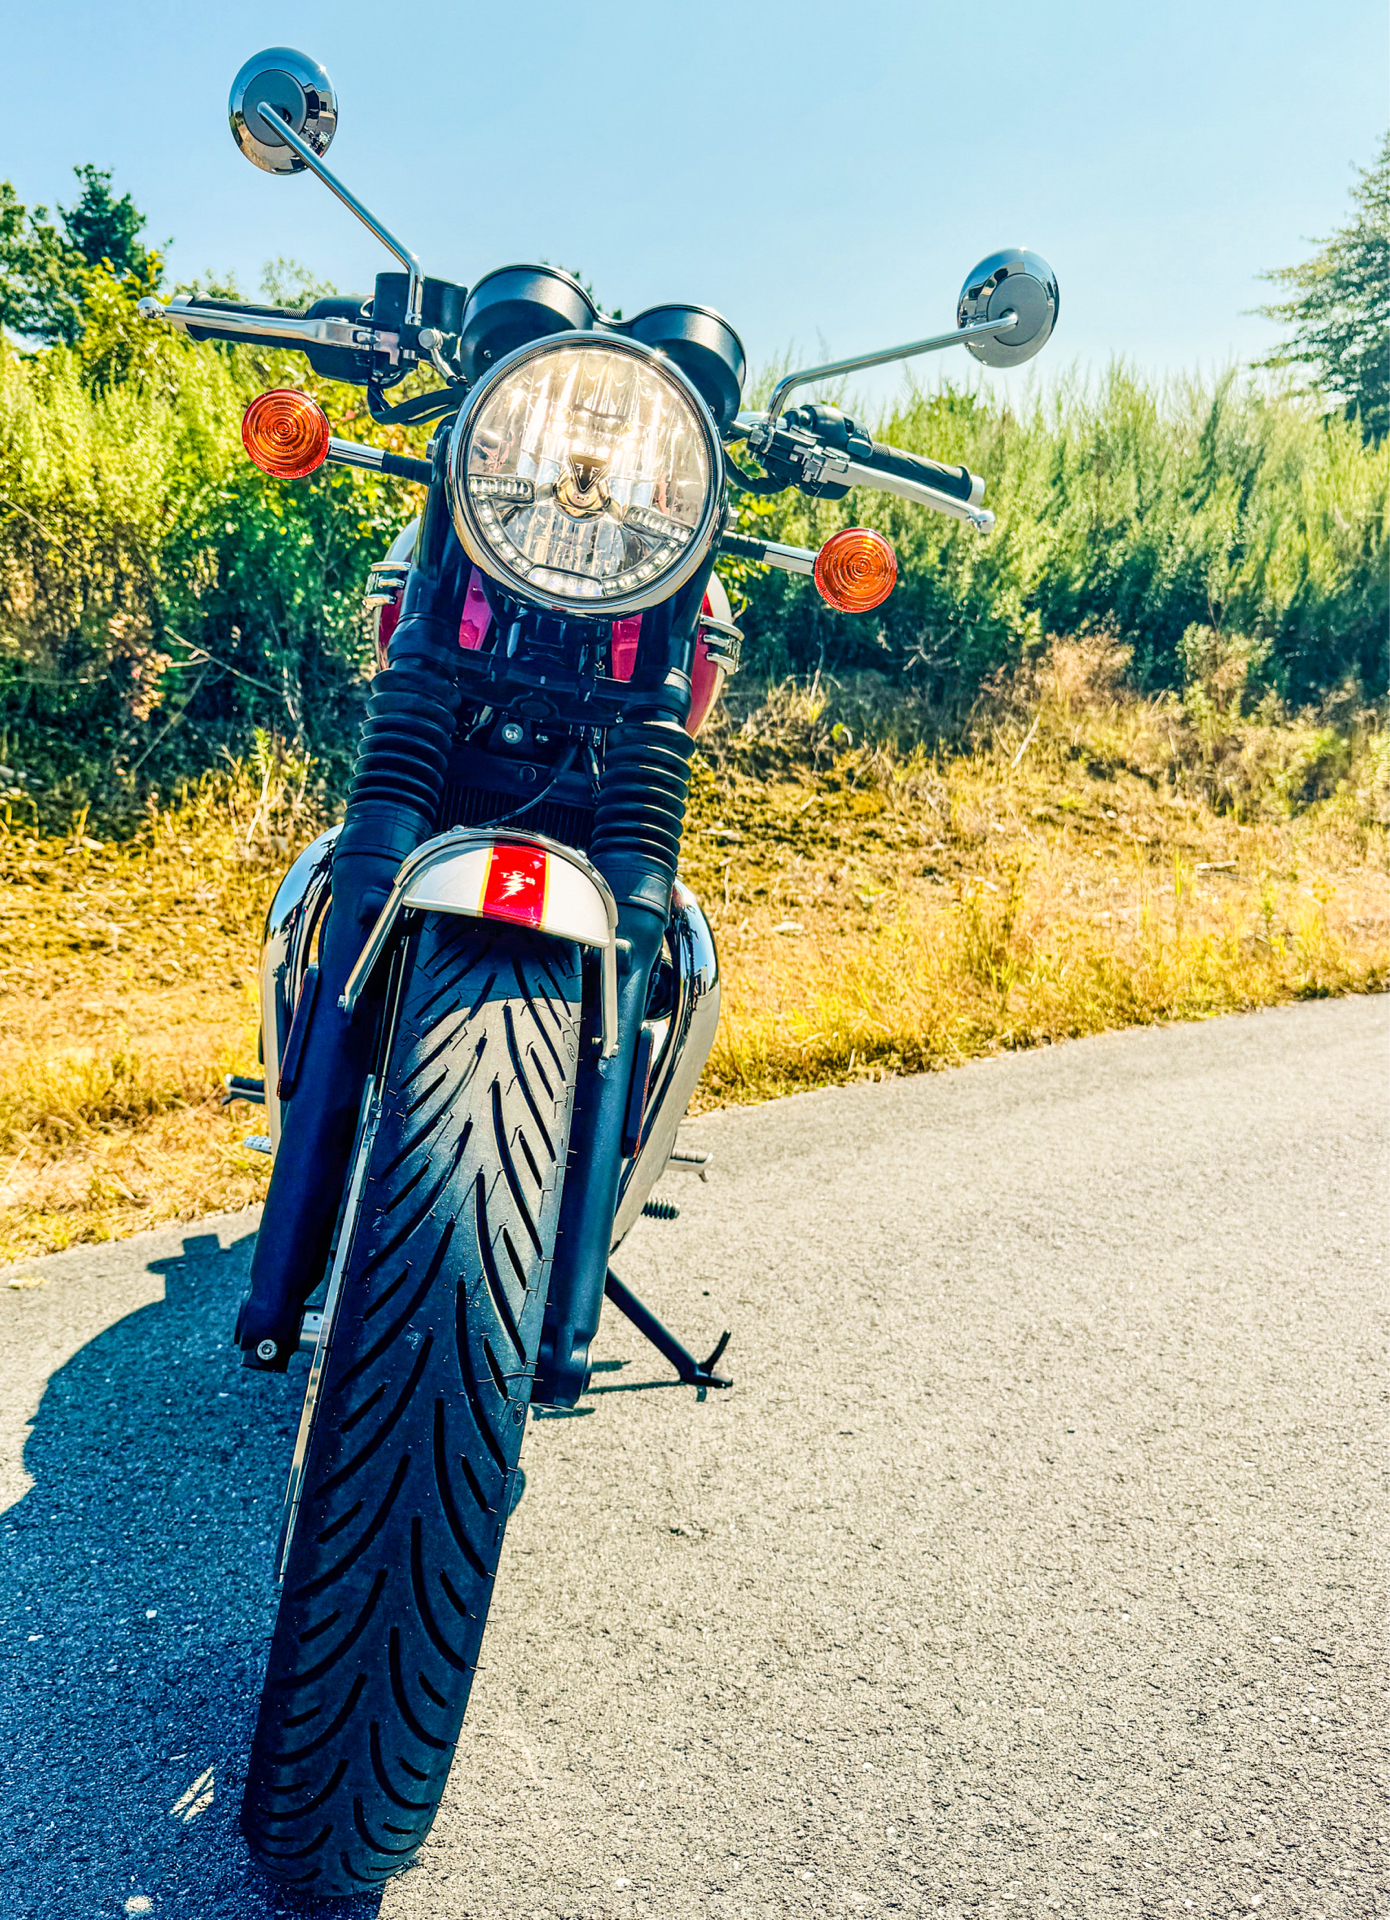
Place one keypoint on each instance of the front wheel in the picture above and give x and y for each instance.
(416, 1426)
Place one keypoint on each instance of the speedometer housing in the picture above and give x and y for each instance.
(585, 475)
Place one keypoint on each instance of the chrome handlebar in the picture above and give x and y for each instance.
(826, 464)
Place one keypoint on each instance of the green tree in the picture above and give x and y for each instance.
(104, 229)
(1338, 312)
(48, 272)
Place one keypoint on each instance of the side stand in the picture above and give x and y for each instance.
(693, 1372)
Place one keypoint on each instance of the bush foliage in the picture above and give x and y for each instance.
(1176, 520)
(160, 599)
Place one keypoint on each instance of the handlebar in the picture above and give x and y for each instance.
(825, 453)
(893, 463)
(954, 491)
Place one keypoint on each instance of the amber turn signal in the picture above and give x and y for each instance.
(285, 433)
(856, 569)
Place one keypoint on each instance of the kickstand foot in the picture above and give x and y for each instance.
(693, 1372)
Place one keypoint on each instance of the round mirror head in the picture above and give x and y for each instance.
(1014, 281)
(288, 86)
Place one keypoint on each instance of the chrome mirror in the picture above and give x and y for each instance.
(284, 114)
(1006, 311)
(282, 87)
(1012, 282)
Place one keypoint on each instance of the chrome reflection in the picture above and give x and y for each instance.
(684, 1040)
(290, 926)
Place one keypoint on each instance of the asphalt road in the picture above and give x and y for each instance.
(1033, 1566)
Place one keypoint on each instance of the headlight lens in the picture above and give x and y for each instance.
(586, 477)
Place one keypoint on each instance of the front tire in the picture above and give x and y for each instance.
(412, 1459)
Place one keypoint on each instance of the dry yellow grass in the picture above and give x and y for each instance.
(127, 989)
(1092, 860)
(1097, 860)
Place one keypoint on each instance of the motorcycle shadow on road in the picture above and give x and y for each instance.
(136, 1601)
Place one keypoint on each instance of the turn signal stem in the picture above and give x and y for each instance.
(769, 553)
(286, 434)
(347, 453)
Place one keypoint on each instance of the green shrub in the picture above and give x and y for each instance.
(159, 597)
(1131, 510)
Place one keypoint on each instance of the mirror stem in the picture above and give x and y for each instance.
(938, 340)
(281, 130)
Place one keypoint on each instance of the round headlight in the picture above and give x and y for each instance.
(586, 476)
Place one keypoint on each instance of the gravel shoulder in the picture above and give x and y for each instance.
(1033, 1565)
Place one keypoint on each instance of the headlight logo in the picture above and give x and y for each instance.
(580, 489)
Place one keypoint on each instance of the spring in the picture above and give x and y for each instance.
(661, 1210)
(641, 796)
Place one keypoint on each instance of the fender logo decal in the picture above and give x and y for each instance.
(514, 887)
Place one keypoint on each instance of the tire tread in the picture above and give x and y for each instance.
(420, 1412)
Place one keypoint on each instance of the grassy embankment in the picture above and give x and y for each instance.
(1078, 859)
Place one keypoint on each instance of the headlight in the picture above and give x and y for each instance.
(587, 477)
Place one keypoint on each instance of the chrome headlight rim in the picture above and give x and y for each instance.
(484, 556)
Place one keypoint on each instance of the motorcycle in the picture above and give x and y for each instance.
(487, 996)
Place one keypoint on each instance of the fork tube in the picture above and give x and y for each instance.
(636, 839)
(394, 805)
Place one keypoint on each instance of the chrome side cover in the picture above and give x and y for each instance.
(681, 1052)
(290, 926)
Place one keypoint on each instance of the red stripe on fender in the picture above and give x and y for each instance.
(515, 886)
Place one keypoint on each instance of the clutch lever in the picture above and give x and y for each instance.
(249, 326)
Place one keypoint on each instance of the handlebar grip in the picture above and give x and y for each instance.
(959, 482)
(242, 307)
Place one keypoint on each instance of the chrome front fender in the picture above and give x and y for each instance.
(684, 1038)
(681, 1052)
(453, 873)
(290, 926)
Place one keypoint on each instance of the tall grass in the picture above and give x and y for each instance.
(160, 598)
(1080, 857)
(127, 990)
(1182, 520)
(887, 896)
(1022, 962)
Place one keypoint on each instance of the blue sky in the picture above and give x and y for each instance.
(823, 174)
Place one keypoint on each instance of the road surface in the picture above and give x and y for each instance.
(1033, 1566)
